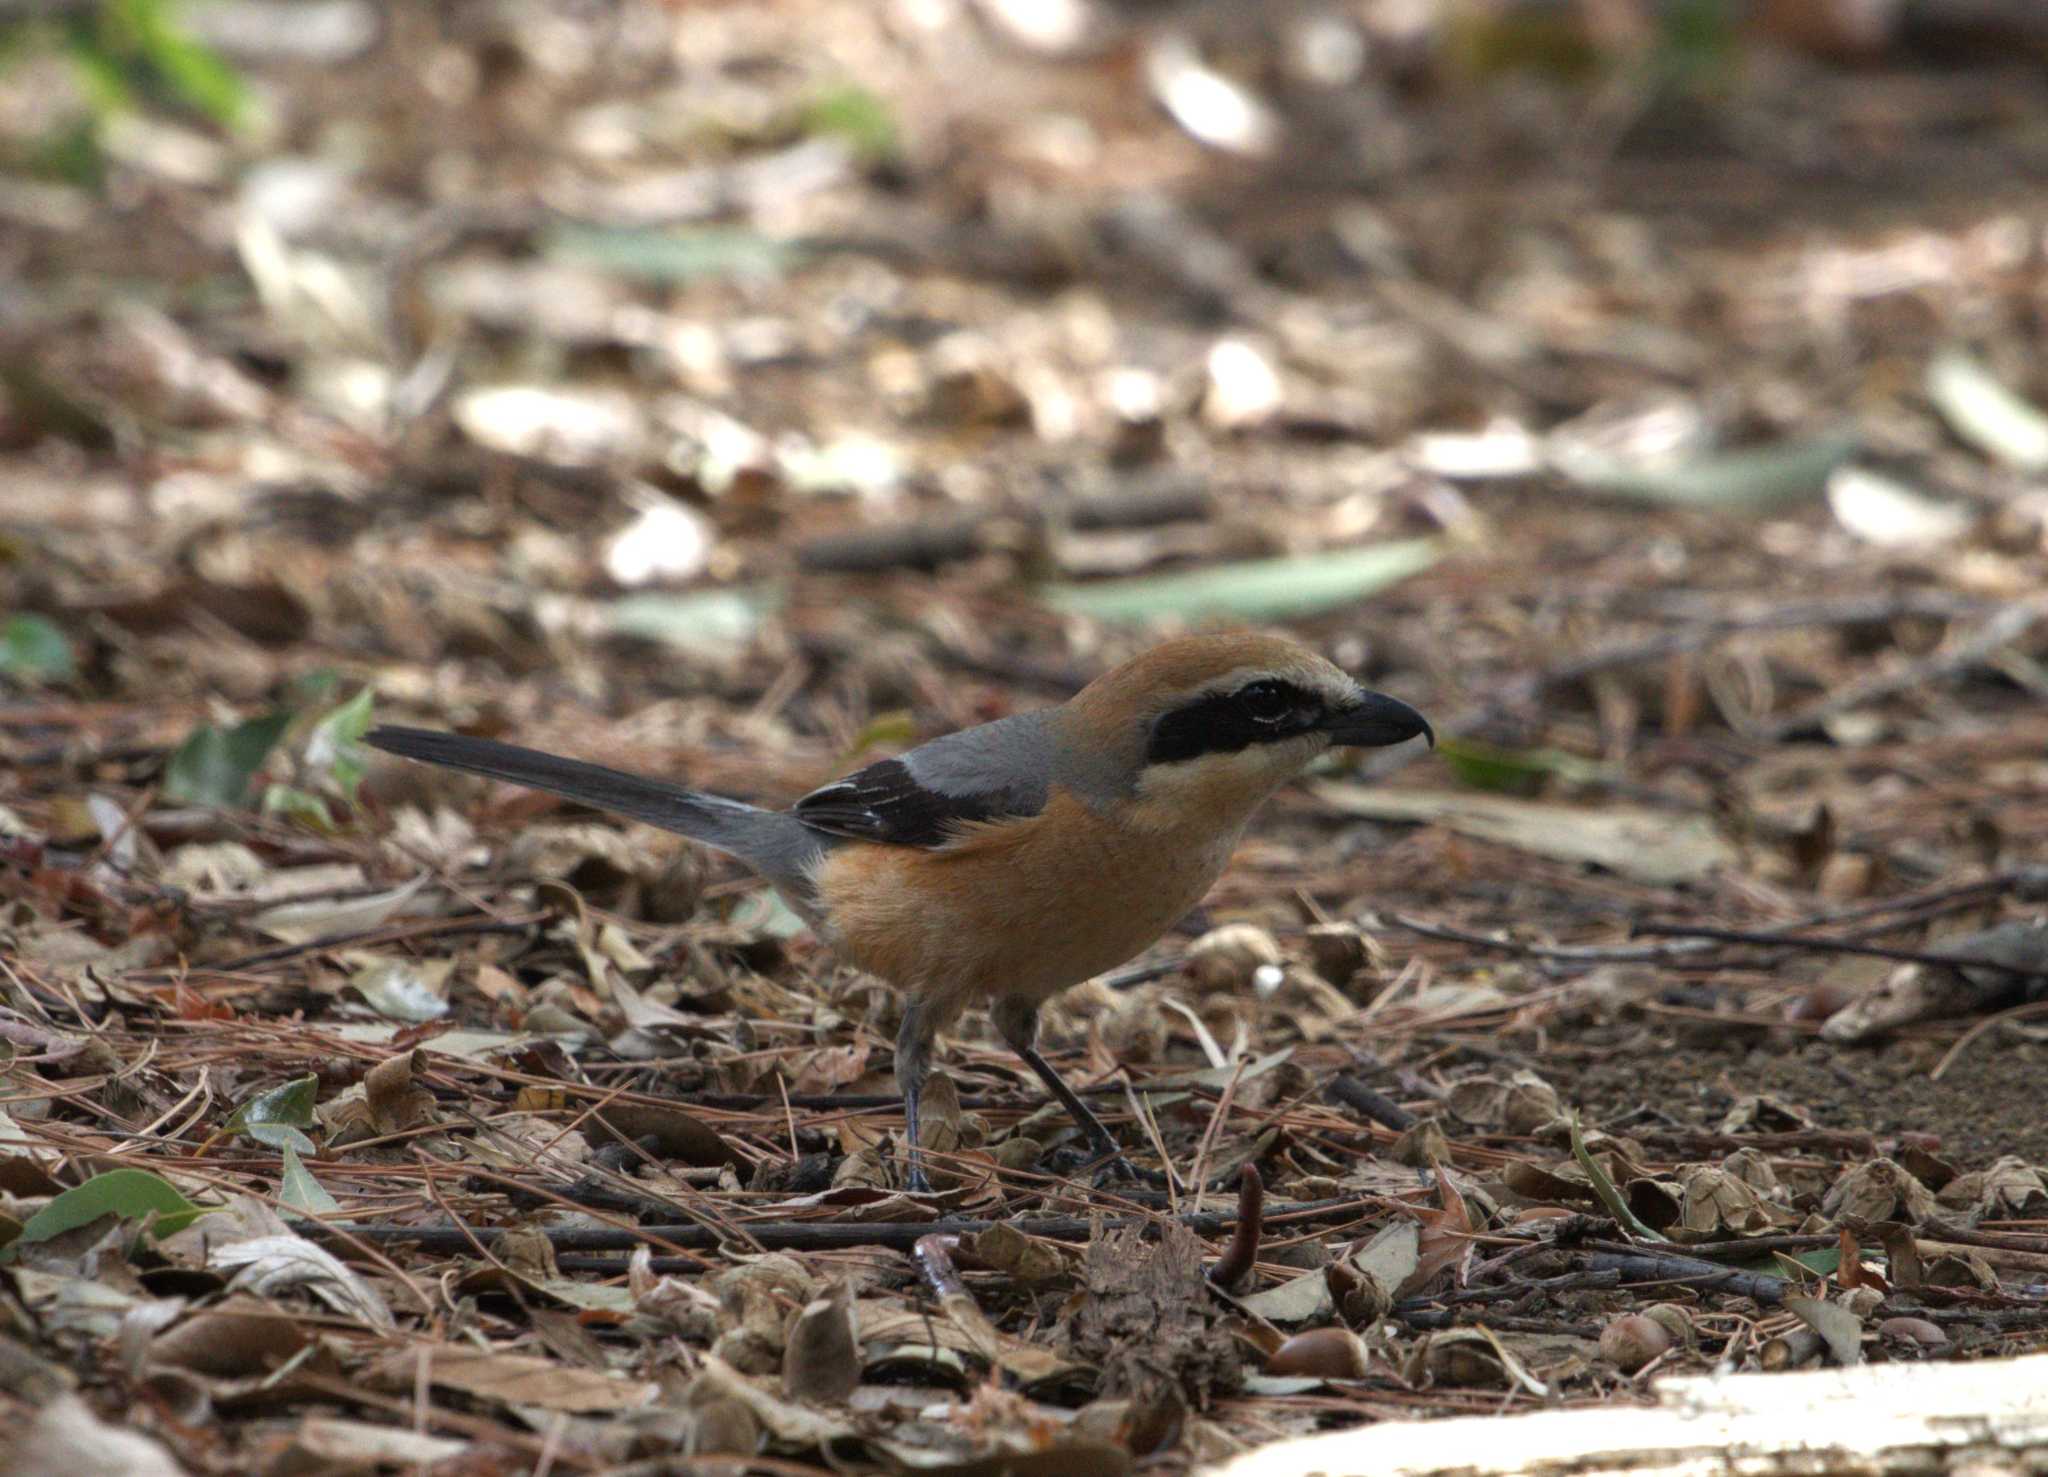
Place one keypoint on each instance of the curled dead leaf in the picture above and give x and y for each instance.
(395, 1100)
(1879, 1190)
(1634, 1340)
(821, 1361)
(1322, 1353)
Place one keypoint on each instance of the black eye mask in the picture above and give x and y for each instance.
(1260, 712)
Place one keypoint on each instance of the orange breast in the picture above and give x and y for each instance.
(1018, 907)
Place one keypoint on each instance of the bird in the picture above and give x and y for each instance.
(1005, 863)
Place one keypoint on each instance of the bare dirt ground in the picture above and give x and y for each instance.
(742, 392)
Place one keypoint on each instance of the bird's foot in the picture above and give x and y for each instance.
(1110, 1167)
(1120, 1171)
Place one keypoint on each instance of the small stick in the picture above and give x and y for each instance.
(1381, 1109)
(1770, 940)
(2002, 628)
(934, 1257)
(830, 1235)
(1238, 1258)
(1647, 1266)
(1565, 953)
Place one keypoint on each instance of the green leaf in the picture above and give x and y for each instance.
(70, 153)
(1987, 415)
(298, 805)
(1486, 766)
(216, 767)
(860, 117)
(335, 747)
(1755, 477)
(1261, 589)
(671, 257)
(704, 618)
(404, 990)
(1604, 1189)
(764, 914)
(128, 51)
(312, 689)
(101, 74)
(196, 75)
(130, 1194)
(275, 1115)
(893, 729)
(34, 650)
(301, 1191)
(1660, 847)
(1825, 1262)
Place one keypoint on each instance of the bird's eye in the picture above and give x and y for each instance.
(1265, 702)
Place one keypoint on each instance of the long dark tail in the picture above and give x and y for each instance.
(767, 839)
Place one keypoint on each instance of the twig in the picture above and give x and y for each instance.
(1691, 942)
(1995, 1240)
(2021, 881)
(934, 1257)
(1748, 1248)
(928, 544)
(373, 937)
(849, 1102)
(2002, 629)
(1243, 1252)
(1563, 953)
(1769, 939)
(1658, 1266)
(1428, 1318)
(1216, 1121)
(834, 1235)
(1520, 691)
(1379, 1108)
(2018, 1012)
(1705, 1141)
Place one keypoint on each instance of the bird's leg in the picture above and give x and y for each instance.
(913, 1064)
(1016, 1021)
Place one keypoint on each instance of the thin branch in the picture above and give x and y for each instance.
(2001, 630)
(838, 1235)
(1774, 940)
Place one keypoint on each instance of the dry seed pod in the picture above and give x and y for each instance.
(1847, 875)
(1817, 1004)
(1879, 1190)
(1135, 1029)
(1633, 1340)
(721, 1424)
(1338, 952)
(1790, 1349)
(1464, 1359)
(1322, 1353)
(1530, 1104)
(1676, 1321)
(1912, 1331)
(1227, 958)
(1423, 1145)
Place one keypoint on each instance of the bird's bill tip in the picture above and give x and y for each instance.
(1375, 721)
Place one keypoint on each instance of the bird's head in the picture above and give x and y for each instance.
(1206, 727)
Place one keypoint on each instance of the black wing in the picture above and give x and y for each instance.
(885, 802)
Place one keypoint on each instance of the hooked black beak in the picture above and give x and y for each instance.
(1375, 721)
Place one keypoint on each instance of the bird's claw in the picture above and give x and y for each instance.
(1120, 1171)
(1104, 1166)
